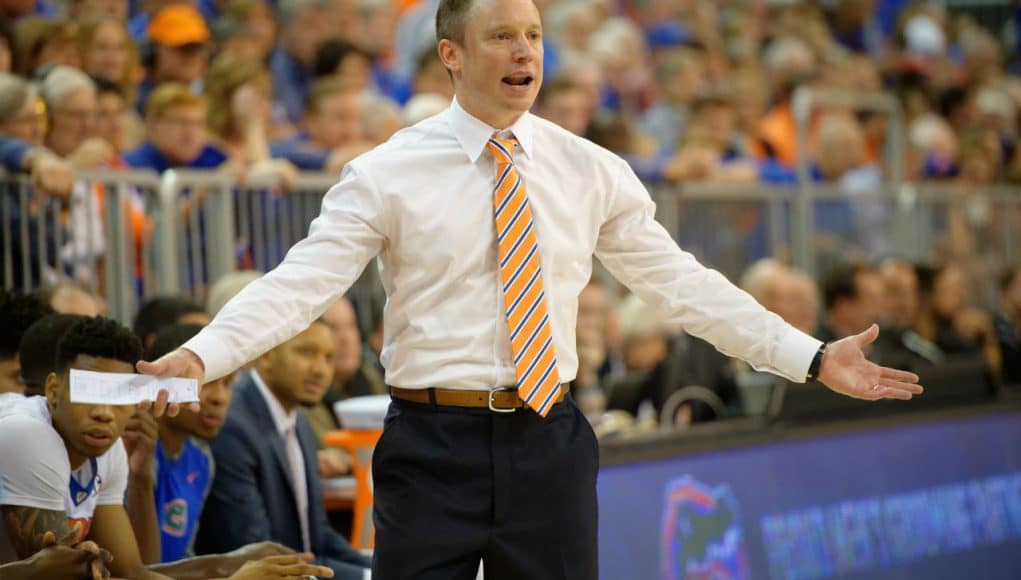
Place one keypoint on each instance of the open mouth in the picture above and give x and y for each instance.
(212, 420)
(519, 81)
(98, 438)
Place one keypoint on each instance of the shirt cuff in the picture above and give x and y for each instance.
(794, 354)
(214, 354)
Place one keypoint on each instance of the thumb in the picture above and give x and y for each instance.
(158, 367)
(49, 539)
(868, 336)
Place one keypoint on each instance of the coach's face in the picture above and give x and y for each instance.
(497, 68)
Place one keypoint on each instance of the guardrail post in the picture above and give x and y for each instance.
(220, 243)
(167, 234)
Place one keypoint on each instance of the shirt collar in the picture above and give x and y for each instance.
(473, 134)
(283, 420)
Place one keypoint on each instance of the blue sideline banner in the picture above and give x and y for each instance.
(926, 500)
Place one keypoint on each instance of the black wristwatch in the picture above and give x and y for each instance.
(813, 369)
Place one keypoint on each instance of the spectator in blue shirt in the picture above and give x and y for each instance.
(175, 121)
(333, 129)
(302, 30)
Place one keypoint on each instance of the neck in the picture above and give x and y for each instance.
(76, 460)
(171, 438)
(288, 406)
(285, 402)
(498, 122)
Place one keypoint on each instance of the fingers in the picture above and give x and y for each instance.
(49, 539)
(892, 390)
(897, 375)
(898, 384)
(177, 363)
(868, 336)
(160, 367)
(143, 424)
(912, 388)
(159, 408)
(302, 571)
(289, 559)
(99, 571)
(296, 566)
(97, 557)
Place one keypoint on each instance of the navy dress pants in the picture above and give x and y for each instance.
(455, 485)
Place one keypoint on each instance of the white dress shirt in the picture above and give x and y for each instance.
(286, 424)
(423, 203)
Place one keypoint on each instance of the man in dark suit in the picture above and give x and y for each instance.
(267, 485)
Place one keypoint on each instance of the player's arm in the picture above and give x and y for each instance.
(111, 529)
(26, 527)
(223, 565)
(198, 568)
(34, 477)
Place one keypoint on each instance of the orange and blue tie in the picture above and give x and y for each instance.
(535, 358)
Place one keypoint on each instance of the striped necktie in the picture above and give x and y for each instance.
(535, 358)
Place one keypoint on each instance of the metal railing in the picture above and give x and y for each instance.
(804, 104)
(179, 232)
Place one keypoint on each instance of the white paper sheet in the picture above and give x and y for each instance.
(128, 389)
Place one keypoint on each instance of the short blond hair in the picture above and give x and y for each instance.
(169, 95)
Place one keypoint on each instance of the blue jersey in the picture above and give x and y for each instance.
(182, 484)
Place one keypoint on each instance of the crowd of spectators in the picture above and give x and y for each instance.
(687, 91)
(692, 91)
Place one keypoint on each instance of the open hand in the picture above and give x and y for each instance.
(177, 363)
(296, 566)
(140, 438)
(845, 370)
(52, 175)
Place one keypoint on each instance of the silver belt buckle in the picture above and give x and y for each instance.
(497, 409)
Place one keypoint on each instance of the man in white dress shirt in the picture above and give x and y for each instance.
(472, 462)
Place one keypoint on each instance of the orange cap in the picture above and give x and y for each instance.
(177, 25)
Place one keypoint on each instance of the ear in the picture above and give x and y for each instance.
(450, 55)
(52, 388)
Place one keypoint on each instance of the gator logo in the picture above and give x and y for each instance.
(175, 518)
(81, 526)
(701, 534)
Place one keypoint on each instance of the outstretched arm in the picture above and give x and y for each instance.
(349, 232)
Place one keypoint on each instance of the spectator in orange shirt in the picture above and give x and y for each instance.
(791, 63)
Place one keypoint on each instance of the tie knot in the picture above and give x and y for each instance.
(502, 149)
